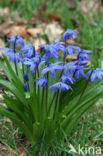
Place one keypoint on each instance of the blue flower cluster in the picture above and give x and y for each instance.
(54, 63)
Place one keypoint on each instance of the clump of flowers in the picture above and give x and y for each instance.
(49, 93)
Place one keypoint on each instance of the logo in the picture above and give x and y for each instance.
(85, 150)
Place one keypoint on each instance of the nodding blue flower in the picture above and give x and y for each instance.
(72, 49)
(84, 54)
(81, 62)
(25, 86)
(60, 86)
(10, 54)
(45, 57)
(51, 50)
(70, 67)
(95, 73)
(16, 39)
(79, 72)
(32, 63)
(52, 68)
(75, 68)
(9, 109)
(29, 51)
(26, 78)
(67, 79)
(41, 81)
(69, 34)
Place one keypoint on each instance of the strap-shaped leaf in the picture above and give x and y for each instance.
(14, 90)
(34, 105)
(31, 82)
(91, 97)
(15, 119)
(21, 115)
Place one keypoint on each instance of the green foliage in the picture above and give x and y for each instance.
(36, 123)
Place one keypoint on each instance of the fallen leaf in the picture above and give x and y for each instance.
(17, 17)
(71, 57)
(4, 12)
(1, 46)
(53, 30)
(38, 41)
(53, 17)
(2, 43)
(40, 16)
(70, 3)
(89, 6)
(21, 151)
(7, 153)
(12, 1)
(20, 30)
(34, 31)
(5, 27)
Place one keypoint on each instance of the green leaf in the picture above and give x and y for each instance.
(15, 119)
(14, 90)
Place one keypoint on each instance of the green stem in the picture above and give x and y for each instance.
(47, 95)
(51, 104)
(56, 104)
(85, 87)
(42, 100)
(16, 68)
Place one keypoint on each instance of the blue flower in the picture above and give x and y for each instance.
(84, 54)
(67, 79)
(72, 49)
(32, 63)
(29, 51)
(95, 73)
(9, 109)
(45, 57)
(10, 54)
(70, 67)
(26, 78)
(75, 68)
(69, 34)
(52, 49)
(60, 86)
(16, 39)
(41, 81)
(25, 86)
(79, 72)
(81, 62)
(52, 68)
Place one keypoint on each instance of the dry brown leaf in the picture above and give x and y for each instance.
(89, 6)
(12, 1)
(71, 57)
(1, 46)
(70, 3)
(37, 42)
(4, 12)
(34, 31)
(21, 151)
(5, 27)
(53, 30)
(2, 43)
(7, 153)
(53, 17)
(16, 17)
(20, 30)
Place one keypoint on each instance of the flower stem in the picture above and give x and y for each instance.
(15, 52)
(56, 104)
(85, 87)
(42, 100)
(47, 94)
(16, 68)
(51, 104)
